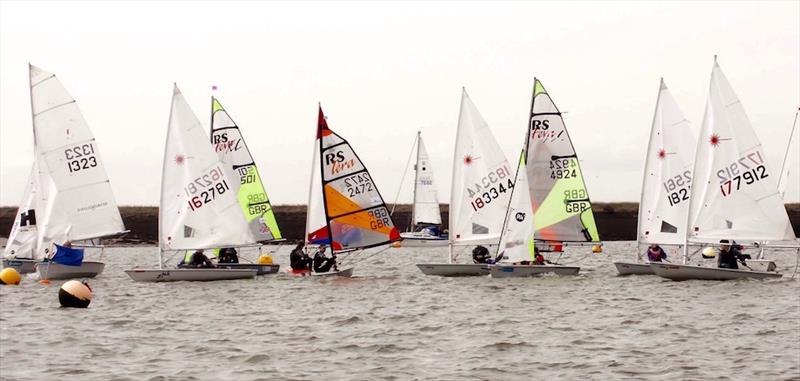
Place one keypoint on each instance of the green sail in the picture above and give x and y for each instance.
(227, 140)
(561, 204)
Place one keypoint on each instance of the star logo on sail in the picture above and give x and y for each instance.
(715, 140)
(662, 153)
(180, 159)
(469, 159)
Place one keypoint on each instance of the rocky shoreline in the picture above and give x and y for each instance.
(615, 221)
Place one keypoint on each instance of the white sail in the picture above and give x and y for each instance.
(667, 178)
(198, 208)
(482, 180)
(24, 232)
(791, 162)
(82, 204)
(517, 242)
(734, 192)
(426, 202)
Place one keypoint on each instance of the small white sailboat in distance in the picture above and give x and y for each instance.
(345, 209)
(481, 188)
(666, 182)
(426, 218)
(69, 198)
(199, 208)
(734, 193)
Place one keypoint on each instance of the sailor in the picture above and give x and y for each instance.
(729, 255)
(228, 255)
(480, 254)
(323, 264)
(655, 253)
(538, 258)
(198, 260)
(298, 259)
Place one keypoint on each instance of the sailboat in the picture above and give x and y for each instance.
(228, 142)
(68, 198)
(481, 188)
(345, 208)
(425, 215)
(198, 208)
(791, 159)
(666, 181)
(734, 192)
(561, 205)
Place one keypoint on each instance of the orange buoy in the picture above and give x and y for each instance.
(10, 276)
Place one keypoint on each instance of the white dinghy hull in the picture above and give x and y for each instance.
(23, 266)
(454, 269)
(422, 241)
(190, 275)
(52, 270)
(628, 268)
(689, 272)
(519, 271)
(262, 269)
(347, 273)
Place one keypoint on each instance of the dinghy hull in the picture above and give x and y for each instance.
(454, 269)
(347, 273)
(519, 271)
(689, 272)
(53, 271)
(23, 266)
(262, 269)
(628, 268)
(189, 275)
(411, 240)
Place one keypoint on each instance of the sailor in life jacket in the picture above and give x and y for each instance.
(480, 255)
(323, 264)
(655, 253)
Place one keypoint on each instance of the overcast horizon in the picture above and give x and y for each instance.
(384, 70)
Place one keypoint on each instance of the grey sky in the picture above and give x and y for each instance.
(383, 70)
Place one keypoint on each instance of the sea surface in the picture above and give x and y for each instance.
(391, 322)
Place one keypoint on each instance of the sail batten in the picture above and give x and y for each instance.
(560, 200)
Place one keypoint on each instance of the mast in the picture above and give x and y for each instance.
(416, 179)
(786, 154)
(453, 183)
(39, 231)
(161, 209)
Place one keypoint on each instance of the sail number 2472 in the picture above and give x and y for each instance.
(206, 188)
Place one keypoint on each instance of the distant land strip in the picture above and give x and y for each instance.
(615, 221)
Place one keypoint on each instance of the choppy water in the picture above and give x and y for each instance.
(391, 322)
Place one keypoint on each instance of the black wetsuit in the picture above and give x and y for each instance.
(480, 254)
(728, 259)
(228, 256)
(323, 264)
(298, 260)
(200, 260)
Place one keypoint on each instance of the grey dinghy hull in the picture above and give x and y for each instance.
(518, 271)
(347, 273)
(262, 269)
(688, 272)
(23, 266)
(196, 275)
(54, 271)
(422, 241)
(628, 268)
(454, 269)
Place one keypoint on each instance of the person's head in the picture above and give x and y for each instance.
(198, 251)
(724, 244)
(654, 246)
(322, 248)
(68, 244)
(300, 245)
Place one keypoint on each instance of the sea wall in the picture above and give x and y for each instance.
(616, 221)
